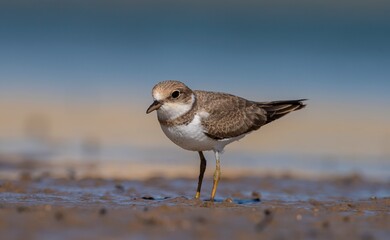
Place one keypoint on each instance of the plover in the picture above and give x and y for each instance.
(207, 121)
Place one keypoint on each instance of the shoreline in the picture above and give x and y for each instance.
(164, 208)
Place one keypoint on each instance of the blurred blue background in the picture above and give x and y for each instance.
(57, 57)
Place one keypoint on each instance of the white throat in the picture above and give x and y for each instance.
(173, 110)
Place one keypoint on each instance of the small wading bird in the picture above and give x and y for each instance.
(202, 121)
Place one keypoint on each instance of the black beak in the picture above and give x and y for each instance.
(154, 106)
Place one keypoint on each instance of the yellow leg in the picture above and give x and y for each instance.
(217, 176)
(201, 173)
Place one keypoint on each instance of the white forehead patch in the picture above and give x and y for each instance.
(157, 96)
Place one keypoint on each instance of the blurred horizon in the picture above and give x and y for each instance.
(79, 74)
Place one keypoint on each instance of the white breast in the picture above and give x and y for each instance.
(191, 136)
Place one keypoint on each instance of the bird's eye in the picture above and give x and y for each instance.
(175, 94)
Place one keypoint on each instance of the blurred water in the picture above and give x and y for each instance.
(125, 159)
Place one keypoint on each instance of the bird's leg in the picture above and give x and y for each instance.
(201, 173)
(217, 176)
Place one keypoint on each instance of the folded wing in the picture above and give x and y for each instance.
(231, 116)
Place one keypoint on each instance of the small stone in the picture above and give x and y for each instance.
(119, 187)
(325, 224)
(346, 219)
(148, 198)
(267, 212)
(350, 205)
(256, 196)
(200, 219)
(102, 211)
(21, 209)
(59, 216)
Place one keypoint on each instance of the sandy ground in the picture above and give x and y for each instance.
(161, 208)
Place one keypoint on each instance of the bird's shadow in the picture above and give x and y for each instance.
(241, 201)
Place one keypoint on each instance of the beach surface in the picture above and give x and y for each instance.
(246, 207)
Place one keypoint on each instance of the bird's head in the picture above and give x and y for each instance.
(171, 99)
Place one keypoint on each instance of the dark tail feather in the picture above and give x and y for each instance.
(278, 109)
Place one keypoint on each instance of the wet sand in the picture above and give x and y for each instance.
(42, 207)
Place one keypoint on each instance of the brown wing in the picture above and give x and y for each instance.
(229, 115)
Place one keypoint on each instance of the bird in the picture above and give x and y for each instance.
(198, 120)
